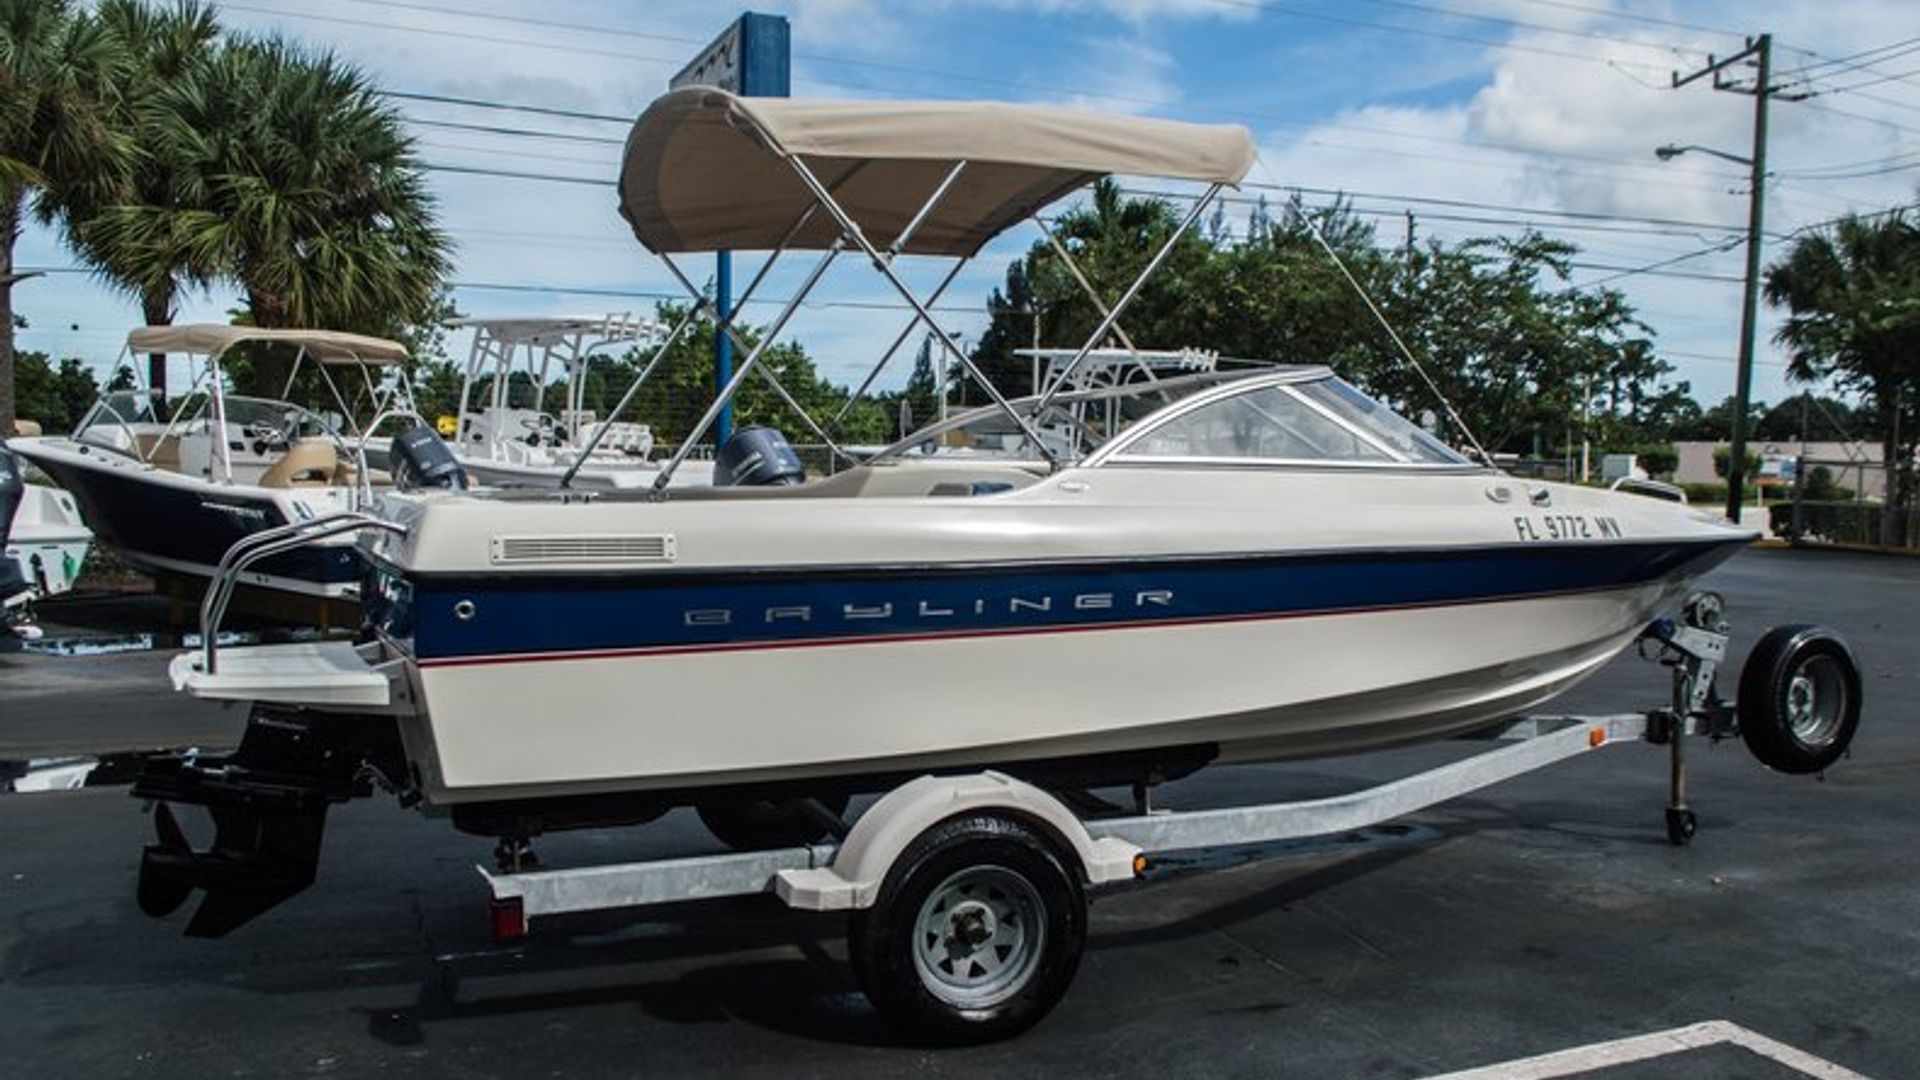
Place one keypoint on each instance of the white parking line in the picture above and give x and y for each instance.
(1679, 1040)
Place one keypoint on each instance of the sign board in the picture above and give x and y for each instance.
(1777, 469)
(751, 58)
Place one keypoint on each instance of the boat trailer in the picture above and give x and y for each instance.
(967, 893)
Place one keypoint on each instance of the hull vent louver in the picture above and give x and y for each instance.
(592, 550)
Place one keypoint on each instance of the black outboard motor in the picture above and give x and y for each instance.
(16, 618)
(757, 457)
(421, 460)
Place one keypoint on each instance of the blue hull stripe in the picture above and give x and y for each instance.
(144, 519)
(609, 614)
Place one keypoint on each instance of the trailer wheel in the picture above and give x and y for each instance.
(976, 933)
(760, 824)
(1799, 698)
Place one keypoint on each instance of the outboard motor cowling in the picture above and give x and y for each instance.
(420, 459)
(757, 457)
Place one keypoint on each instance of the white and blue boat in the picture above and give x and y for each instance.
(1124, 584)
(171, 486)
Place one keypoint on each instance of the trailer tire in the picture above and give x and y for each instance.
(1799, 698)
(761, 824)
(976, 933)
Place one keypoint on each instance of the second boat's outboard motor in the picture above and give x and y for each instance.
(420, 459)
(757, 457)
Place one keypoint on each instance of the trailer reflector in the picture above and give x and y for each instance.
(508, 918)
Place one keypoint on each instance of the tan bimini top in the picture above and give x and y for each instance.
(211, 339)
(706, 170)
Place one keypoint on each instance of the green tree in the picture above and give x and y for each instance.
(55, 395)
(1111, 238)
(1723, 459)
(1852, 296)
(1520, 353)
(139, 240)
(920, 400)
(57, 142)
(304, 191)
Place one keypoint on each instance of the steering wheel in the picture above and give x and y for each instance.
(263, 436)
(539, 429)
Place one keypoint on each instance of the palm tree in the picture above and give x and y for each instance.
(297, 183)
(136, 241)
(1852, 293)
(57, 142)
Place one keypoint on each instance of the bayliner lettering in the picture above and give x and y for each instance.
(926, 611)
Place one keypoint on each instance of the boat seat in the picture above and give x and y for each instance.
(347, 474)
(26, 429)
(160, 451)
(307, 463)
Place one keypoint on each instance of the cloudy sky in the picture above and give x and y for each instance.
(1477, 116)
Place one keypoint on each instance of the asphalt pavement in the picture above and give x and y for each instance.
(1544, 916)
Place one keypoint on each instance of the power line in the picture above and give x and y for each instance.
(1855, 61)
(1813, 172)
(1226, 112)
(482, 103)
(1652, 267)
(1628, 16)
(669, 62)
(1893, 166)
(1432, 9)
(519, 133)
(1900, 76)
(1612, 163)
(1274, 9)
(511, 174)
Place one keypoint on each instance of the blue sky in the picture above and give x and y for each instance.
(1528, 110)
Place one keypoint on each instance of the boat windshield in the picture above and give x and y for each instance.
(1073, 424)
(119, 407)
(1321, 420)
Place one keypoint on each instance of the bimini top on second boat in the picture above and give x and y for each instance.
(170, 488)
(1216, 566)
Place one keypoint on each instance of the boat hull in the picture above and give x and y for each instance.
(161, 522)
(1278, 657)
(48, 542)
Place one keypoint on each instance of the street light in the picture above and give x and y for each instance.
(1749, 301)
(1671, 151)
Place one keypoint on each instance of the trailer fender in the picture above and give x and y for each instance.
(878, 838)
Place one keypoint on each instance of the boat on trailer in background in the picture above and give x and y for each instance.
(46, 539)
(170, 490)
(1146, 578)
(502, 444)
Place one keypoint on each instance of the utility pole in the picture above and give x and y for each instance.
(1760, 52)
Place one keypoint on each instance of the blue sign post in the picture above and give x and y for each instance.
(752, 58)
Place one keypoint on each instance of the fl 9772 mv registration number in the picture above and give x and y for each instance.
(1567, 527)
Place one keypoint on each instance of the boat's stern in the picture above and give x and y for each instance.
(330, 676)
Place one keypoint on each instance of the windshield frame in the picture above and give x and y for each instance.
(1201, 384)
(1115, 451)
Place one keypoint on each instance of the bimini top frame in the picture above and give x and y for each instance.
(327, 348)
(706, 170)
(571, 342)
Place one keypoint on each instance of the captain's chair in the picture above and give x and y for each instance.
(308, 463)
